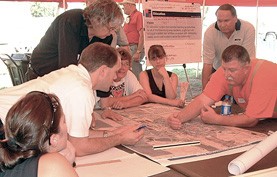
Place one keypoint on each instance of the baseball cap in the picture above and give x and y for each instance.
(128, 1)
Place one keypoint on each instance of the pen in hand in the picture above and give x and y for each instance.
(141, 127)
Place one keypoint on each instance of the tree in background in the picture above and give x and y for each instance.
(39, 9)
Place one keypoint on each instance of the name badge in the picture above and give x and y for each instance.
(241, 100)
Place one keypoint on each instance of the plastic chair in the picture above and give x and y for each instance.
(15, 69)
(22, 59)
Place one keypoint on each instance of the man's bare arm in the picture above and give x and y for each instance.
(206, 74)
(91, 145)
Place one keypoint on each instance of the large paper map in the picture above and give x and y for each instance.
(212, 138)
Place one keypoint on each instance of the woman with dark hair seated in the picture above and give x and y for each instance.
(160, 84)
(34, 127)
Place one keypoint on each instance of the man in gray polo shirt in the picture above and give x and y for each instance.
(226, 31)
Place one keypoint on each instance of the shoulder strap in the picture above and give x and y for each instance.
(275, 108)
(257, 66)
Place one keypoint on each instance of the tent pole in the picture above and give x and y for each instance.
(257, 25)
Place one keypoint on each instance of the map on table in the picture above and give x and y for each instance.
(210, 139)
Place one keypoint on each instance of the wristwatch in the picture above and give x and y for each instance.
(105, 134)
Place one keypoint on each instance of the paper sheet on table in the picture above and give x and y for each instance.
(270, 172)
(242, 163)
(166, 162)
(110, 154)
(131, 165)
(220, 140)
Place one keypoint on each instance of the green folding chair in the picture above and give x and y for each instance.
(15, 69)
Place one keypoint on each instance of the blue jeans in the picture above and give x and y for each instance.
(137, 66)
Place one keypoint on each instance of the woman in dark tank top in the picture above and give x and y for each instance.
(158, 83)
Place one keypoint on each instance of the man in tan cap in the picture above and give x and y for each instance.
(133, 28)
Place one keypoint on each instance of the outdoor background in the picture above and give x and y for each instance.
(24, 23)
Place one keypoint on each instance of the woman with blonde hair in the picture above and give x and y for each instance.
(71, 32)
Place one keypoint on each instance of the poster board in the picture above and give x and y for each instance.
(176, 26)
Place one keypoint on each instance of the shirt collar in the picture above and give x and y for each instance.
(85, 74)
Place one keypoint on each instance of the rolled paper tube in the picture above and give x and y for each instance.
(246, 160)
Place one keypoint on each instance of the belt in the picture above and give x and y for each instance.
(132, 44)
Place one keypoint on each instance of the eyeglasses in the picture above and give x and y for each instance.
(111, 28)
(53, 106)
(125, 63)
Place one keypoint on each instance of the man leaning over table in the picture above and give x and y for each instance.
(75, 86)
(227, 30)
(252, 83)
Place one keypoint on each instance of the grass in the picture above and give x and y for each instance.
(194, 78)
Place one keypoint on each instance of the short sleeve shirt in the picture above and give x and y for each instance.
(133, 27)
(73, 87)
(257, 97)
(215, 42)
(127, 86)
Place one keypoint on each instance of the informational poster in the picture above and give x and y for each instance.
(176, 26)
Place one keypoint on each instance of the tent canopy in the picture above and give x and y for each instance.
(268, 3)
